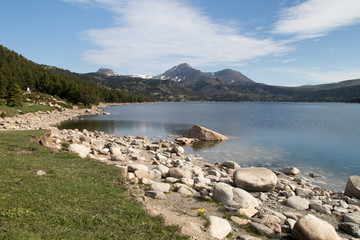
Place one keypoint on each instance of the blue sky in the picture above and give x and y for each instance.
(277, 42)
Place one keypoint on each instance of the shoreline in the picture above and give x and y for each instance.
(140, 159)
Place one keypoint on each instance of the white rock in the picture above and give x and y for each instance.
(313, 228)
(219, 228)
(255, 179)
(297, 203)
(231, 165)
(163, 169)
(352, 188)
(81, 150)
(290, 170)
(179, 173)
(244, 199)
(134, 166)
(161, 187)
(155, 174)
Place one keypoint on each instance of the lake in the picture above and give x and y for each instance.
(322, 138)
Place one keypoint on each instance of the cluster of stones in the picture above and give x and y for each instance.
(276, 204)
(44, 120)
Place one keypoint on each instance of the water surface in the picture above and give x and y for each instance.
(315, 137)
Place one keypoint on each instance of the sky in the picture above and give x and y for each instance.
(276, 42)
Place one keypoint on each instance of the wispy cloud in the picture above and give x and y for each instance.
(149, 36)
(315, 18)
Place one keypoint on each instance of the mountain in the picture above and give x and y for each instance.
(185, 73)
(106, 71)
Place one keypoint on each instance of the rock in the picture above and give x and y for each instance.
(297, 203)
(255, 179)
(290, 170)
(313, 228)
(185, 140)
(40, 172)
(231, 165)
(352, 188)
(270, 221)
(156, 195)
(118, 157)
(352, 217)
(160, 187)
(314, 175)
(179, 173)
(204, 134)
(247, 212)
(79, 149)
(293, 215)
(47, 141)
(303, 192)
(290, 222)
(351, 228)
(140, 174)
(134, 166)
(186, 190)
(188, 181)
(320, 208)
(244, 199)
(247, 237)
(260, 228)
(171, 180)
(219, 228)
(223, 193)
(163, 169)
(239, 221)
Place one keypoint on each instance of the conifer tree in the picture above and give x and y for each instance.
(15, 96)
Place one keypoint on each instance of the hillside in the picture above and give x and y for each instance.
(15, 69)
(184, 83)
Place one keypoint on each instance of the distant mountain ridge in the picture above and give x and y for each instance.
(184, 72)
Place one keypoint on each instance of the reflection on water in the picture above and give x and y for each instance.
(201, 145)
(315, 137)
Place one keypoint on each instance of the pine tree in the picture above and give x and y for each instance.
(15, 96)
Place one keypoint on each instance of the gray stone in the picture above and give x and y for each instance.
(351, 228)
(303, 192)
(79, 149)
(290, 170)
(161, 187)
(260, 228)
(244, 199)
(231, 165)
(223, 193)
(163, 169)
(313, 228)
(156, 195)
(179, 173)
(352, 217)
(134, 166)
(297, 203)
(352, 188)
(186, 190)
(155, 174)
(320, 208)
(255, 179)
(290, 222)
(171, 180)
(219, 228)
(140, 174)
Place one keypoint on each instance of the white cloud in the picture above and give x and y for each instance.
(314, 18)
(150, 36)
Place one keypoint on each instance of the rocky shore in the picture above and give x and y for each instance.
(208, 201)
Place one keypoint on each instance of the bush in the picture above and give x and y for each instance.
(3, 114)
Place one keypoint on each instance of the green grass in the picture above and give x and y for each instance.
(77, 199)
(26, 108)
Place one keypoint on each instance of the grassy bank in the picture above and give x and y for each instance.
(77, 199)
(26, 108)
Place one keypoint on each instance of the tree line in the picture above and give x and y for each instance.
(17, 70)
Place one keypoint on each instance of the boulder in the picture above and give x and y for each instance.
(352, 217)
(234, 197)
(352, 188)
(179, 173)
(313, 228)
(231, 165)
(255, 179)
(223, 193)
(163, 169)
(351, 228)
(161, 187)
(156, 195)
(244, 199)
(79, 149)
(219, 228)
(297, 202)
(204, 134)
(290, 170)
(140, 174)
(134, 166)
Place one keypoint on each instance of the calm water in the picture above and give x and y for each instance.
(315, 137)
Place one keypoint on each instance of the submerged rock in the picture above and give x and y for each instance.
(204, 134)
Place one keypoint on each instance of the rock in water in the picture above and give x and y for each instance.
(290, 170)
(219, 227)
(352, 188)
(204, 134)
(313, 228)
(255, 179)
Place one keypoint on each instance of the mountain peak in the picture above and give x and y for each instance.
(106, 71)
